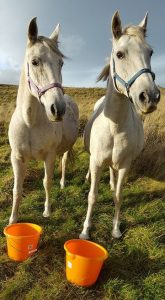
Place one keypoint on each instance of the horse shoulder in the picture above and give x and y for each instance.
(18, 135)
(129, 142)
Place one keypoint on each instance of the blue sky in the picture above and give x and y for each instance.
(85, 34)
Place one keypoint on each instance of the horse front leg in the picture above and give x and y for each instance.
(64, 162)
(112, 181)
(19, 169)
(87, 177)
(47, 182)
(116, 233)
(95, 171)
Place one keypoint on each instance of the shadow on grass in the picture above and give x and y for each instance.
(130, 267)
(7, 270)
(134, 199)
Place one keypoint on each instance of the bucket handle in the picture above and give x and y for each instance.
(32, 251)
(29, 252)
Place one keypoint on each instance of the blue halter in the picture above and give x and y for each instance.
(128, 84)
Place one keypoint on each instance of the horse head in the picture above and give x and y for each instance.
(131, 65)
(43, 63)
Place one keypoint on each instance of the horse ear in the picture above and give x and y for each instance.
(55, 33)
(143, 23)
(116, 26)
(33, 30)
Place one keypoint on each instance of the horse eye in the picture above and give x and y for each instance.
(120, 55)
(35, 62)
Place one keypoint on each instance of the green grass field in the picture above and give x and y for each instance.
(134, 269)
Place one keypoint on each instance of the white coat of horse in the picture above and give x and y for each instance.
(45, 122)
(114, 134)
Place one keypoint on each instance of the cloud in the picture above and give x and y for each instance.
(82, 77)
(158, 61)
(9, 69)
(8, 62)
(9, 76)
(72, 45)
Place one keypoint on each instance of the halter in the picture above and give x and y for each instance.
(41, 91)
(128, 84)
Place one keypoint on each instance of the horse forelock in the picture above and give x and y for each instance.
(50, 43)
(135, 31)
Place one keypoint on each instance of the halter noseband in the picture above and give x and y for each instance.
(128, 84)
(41, 91)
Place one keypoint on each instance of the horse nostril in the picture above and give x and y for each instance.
(53, 111)
(143, 96)
(152, 107)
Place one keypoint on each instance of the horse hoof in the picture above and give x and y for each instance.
(62, 184)
(116, 234)
(46, 214)
(83, 236)
(112, 187)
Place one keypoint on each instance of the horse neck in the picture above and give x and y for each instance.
(117, 106)
(28, 106)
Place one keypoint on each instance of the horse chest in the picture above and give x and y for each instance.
(114, 145)
(43, 141)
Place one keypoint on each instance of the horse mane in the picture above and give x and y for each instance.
(104, 73)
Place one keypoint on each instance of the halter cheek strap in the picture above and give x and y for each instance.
(128, 84)
(41, 91)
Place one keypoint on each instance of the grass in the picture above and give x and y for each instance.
(134, 269)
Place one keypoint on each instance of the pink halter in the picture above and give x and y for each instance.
(41, 91)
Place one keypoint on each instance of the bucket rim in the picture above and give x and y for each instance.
(104, 257)
(22, 236)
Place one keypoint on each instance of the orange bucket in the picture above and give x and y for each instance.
(84, 260)
(22, 240)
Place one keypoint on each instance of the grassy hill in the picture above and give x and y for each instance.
(151, 160)
(134, 270)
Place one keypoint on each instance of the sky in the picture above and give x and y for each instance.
(85, 34)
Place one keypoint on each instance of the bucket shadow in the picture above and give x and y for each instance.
(128, 268)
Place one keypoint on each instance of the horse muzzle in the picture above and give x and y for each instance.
(58, 111)
(149, 101)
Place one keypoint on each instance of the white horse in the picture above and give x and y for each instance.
(114, 134)
(45, 122)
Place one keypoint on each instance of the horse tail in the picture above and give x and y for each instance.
(71, 156)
